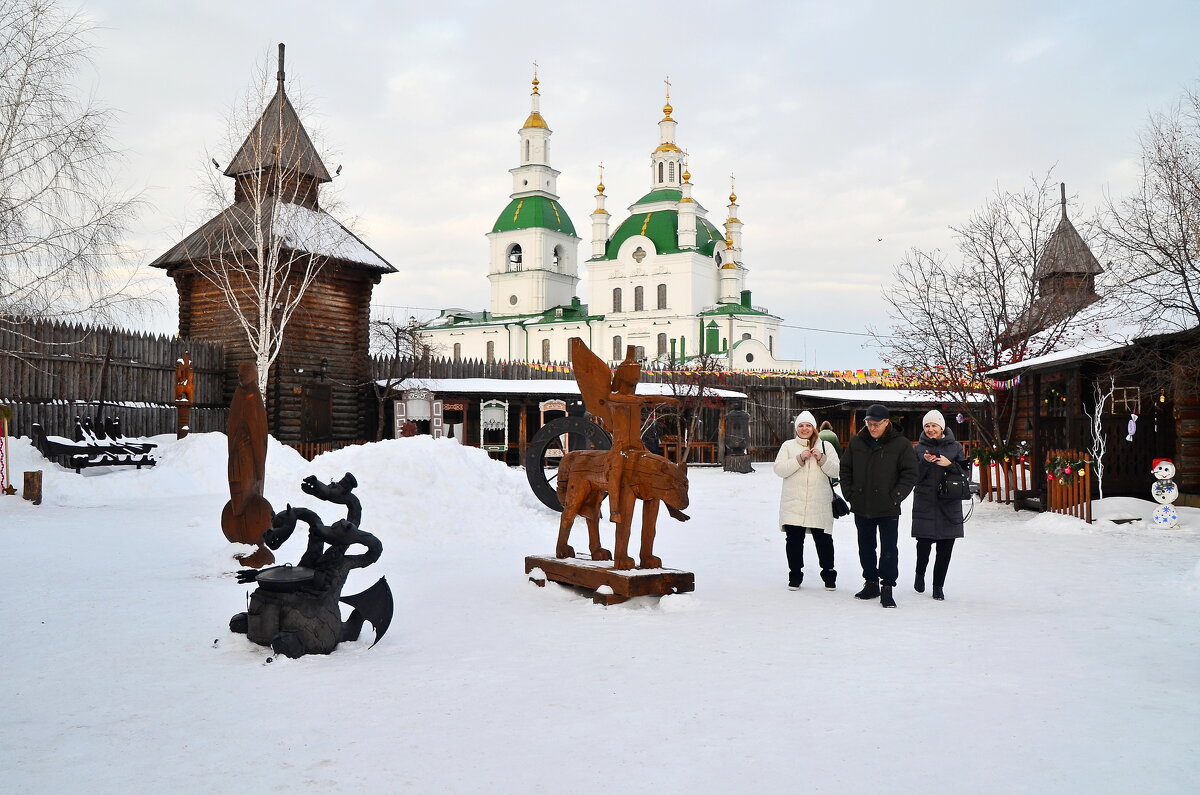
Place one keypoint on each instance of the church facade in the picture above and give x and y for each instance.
(665, 279)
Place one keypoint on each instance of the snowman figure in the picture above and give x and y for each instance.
(1164, 491)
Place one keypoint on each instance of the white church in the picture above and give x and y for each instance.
(664, 280)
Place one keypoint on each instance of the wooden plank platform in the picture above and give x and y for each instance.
(593, 574)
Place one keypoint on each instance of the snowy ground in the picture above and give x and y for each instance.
(1066, 657)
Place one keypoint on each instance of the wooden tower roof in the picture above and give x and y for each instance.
(279, 122)
(1066, 253)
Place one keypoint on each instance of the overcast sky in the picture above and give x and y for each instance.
(856, 130)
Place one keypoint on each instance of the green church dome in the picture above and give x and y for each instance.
(662, 227)
(531, 212)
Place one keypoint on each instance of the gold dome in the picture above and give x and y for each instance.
(732, 198)
(535, 120)
(600, 188)
(667, 112)
(668, 147)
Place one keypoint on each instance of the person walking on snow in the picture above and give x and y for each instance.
(936, 521)
(878, 469)
(806, 464)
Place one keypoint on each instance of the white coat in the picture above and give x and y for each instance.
(807, 496)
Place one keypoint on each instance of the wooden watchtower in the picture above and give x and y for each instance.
(319, 384)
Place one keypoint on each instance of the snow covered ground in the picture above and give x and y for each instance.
(1066, 657)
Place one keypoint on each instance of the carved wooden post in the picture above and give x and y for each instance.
(185, 395)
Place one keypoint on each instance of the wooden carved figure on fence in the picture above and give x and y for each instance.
(627, 472)
(247, 515)
(6, 488)
(1165, 492)
(185, 394)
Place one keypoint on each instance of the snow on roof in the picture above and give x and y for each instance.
(884, 396)
(534, 386)
(322, 234)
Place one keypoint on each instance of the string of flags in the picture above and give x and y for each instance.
(883, 376)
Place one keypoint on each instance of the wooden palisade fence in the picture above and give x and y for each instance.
(999, 481)
(52, 372)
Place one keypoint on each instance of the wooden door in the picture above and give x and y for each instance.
(316, 413)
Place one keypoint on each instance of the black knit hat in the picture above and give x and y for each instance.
(878, 412)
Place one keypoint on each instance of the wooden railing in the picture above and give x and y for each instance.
(311, 450)
(1000, 481)
(1072, 494)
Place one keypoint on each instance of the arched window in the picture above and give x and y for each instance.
(457, 351)
(639, 353)
(771, 345)
(546, 350)
(528, 144)
(662, 344)
(662, 296)
(660, 172)
(618, 351)
(671, 171)
(638, 302)
(617, 299)
(491, 351)
(557, 258)
(746, 336)
(514, 258)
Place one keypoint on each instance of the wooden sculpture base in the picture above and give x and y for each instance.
(593, 574)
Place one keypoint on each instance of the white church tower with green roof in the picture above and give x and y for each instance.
(534, 250)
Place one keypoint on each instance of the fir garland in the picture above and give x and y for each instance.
(992, 456)
(1064, 468)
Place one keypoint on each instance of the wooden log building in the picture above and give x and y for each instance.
(319, 386)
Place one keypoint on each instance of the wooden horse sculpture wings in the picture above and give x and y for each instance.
(626, 473)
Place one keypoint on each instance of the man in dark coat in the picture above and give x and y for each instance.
(879, 469)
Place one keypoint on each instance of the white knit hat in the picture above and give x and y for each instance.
(936, 418)
(806, 416)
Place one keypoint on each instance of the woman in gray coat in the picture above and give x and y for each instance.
(936, 521)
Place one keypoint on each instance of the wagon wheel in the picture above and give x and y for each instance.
(545, 450)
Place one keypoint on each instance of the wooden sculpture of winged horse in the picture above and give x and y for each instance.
(626, 473)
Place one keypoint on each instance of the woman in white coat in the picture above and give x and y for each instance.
(806, 464)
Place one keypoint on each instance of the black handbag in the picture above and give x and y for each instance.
(954, 485)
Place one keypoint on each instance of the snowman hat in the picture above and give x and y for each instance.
(1158, 461)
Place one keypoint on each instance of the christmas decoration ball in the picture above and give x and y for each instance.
(1166, 516)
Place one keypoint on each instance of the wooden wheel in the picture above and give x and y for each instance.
(546, 449)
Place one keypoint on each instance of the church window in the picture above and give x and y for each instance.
(662, 344)
(512, 300)
(527, 149)
(618, 352)
(662, 296)
(671, 171)
(546, 152)
(746, 336)
(639, 254)
(660, 172)
(639, 353)
(558, 258)
(491, 351)
(514, 258)
(457, 351)
(749, 358)
(771, 345)
(545, 350)
(638, 302)
(617, 299)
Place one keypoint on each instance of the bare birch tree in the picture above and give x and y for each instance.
(61, 219)
(954, 319)
(402, 352)
(265, 250)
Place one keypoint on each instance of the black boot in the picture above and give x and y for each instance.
(870, 590)
(829, 576)
(885, 597)
(919, 583)
(937, 593)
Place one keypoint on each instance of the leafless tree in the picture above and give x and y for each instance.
(691, 382)
(61, 218)
(400, 352)
(955, 318)
(265, 250)
(1155, 234)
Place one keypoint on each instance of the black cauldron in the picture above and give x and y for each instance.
(285, 578)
